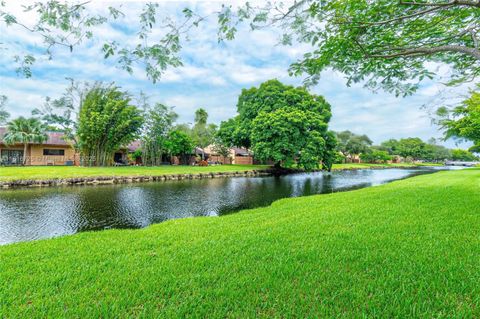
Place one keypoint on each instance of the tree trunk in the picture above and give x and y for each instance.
(24, 159)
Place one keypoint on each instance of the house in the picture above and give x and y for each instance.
(54, 151)
(237, 155)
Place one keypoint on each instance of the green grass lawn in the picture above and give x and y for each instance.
(367, 165)
(57, 172)
(406, 249)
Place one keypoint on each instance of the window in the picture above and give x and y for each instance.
(53, 152)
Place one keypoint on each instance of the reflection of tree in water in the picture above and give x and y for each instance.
(41, 213)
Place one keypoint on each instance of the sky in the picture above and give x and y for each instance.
(212, 77)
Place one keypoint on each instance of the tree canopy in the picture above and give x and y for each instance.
(180, 144)
(384, 44)
(25, 131)
(159, 120)
(107, 121)
(282, 123)
(351, 144)
(463, 122)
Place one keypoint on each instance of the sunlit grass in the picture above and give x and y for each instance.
(11, 173)
(406, 249)
(58, 172)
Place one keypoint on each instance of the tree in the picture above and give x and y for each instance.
(286, 124)
(62, 114)
(25, 131)
(464, 121)
(463, 155)
(412, 147)
(386, 44)
(4, 115)
(202, 133)
(106, 122)
(436, 153)
(351, 144)
(231, 133)
(391, 146)
(220, 148)
(158, 123)
(180, 144)
(375, 156)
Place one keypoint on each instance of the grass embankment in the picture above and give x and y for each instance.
(11, 173)
(367, 165)
(406, 249)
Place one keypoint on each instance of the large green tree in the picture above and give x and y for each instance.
(285, 124)
(464, 121)
(158, 123)
(180, 144)
(25, 131)
(351, 144)
(107, 121)
(412, 147)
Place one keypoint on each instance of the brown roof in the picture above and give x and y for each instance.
(241, 151)
(135, 145)
(54, 138)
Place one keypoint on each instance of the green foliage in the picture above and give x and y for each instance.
(436, 153)
(351, 144)
(375, 156)
(232, 133)
(106, 122)
(412, 147)
(379, 252)
(464, 122)
(289, 136)
(25, 131)
(282, 123)
(202, 133)
(158, 123)
(463, 155)
(62, 113)
(180, 144)
(4, 115)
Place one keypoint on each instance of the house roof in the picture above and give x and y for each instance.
(241, 151)
(135, 145)
(54, 138)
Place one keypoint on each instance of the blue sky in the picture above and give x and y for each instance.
(212, 76)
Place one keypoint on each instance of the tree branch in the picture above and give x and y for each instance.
(468, 3)
(475, 53)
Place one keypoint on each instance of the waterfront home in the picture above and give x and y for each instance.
(54, 151)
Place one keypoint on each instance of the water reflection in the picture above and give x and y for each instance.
(27, 214)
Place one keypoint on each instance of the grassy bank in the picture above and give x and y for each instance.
(406, 249)
(60, 172)
(12, 173)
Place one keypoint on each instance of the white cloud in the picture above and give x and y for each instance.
(212, 76)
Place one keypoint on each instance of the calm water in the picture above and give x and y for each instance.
(28, 214)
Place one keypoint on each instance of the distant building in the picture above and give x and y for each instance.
(54, 151)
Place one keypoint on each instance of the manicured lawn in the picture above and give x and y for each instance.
(406, 249)
(58, 172)
(366, 165)
(52, 172)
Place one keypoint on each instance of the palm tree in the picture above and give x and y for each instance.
(25, 131)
